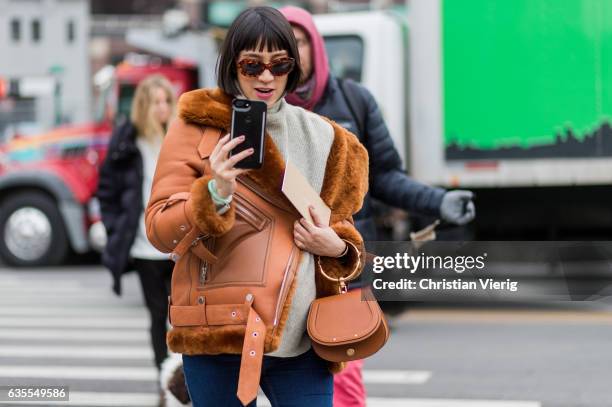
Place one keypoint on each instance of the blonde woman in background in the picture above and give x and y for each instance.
(123, 190)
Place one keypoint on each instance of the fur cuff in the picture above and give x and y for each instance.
(342, 266)
(204, 211)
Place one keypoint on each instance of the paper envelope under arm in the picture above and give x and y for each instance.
(301, 194)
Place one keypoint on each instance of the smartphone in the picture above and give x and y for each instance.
(249, 119)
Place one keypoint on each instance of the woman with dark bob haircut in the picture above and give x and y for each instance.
(194, 183)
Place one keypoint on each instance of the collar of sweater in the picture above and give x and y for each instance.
(346, 173)
(277, 106)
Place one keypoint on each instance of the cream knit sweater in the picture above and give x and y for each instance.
(304, 139)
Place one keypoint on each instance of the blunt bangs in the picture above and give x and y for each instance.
(255, 29)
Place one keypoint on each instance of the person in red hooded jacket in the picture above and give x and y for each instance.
(322, 93)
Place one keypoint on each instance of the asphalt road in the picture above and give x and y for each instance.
(64, 326)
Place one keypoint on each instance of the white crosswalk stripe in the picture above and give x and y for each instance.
(19, 285)
(57, 298)
(101, 399)
(77, 352)
(79, 372)
(405, 402)
(395, 376)
(94, 399)
(64, 311)
(43, 317)
(70, 335)
(72, 322)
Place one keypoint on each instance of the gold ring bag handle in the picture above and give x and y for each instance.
(342, 280)
(344, 326)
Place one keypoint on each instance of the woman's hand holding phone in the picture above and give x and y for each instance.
(223, 166)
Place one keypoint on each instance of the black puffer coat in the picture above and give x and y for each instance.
(120, 196)
(388, 180)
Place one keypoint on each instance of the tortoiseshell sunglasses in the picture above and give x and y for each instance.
(254, 68)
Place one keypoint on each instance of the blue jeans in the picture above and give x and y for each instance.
(300, 381)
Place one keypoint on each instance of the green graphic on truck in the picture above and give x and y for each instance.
(527, 79)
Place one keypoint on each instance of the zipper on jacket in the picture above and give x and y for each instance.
(205, 267)
(203, 272)
(284, 291)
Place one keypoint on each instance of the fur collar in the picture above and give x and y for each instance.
(346, 174)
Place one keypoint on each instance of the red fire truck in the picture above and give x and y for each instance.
(48, 179)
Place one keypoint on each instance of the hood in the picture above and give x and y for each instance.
(320, 64)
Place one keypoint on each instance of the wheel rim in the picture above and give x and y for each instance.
(28, 233)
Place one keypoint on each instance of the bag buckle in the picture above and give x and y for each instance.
(197, 240)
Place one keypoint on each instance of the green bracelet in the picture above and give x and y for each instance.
(212, 188)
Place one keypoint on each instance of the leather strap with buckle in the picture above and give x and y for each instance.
(193, 241)
(252, 355)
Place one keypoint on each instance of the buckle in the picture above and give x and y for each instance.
(197, 240)
(343, 287)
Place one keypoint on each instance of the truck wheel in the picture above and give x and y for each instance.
(32, 231)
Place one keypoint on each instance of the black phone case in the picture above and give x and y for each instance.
(251, 122)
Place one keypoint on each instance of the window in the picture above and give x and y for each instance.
(18, 117)
(15, 29)
(70, 34)
(345, 53)
(36, 30)
(126, 95)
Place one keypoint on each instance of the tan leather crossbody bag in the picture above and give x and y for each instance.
(349, 325)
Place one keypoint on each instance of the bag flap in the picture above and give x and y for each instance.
(342, 318)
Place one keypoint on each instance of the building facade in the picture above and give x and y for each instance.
(44, 56)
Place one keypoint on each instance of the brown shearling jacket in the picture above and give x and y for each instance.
(181, 182)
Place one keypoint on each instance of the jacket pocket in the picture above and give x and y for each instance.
(241, 252)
